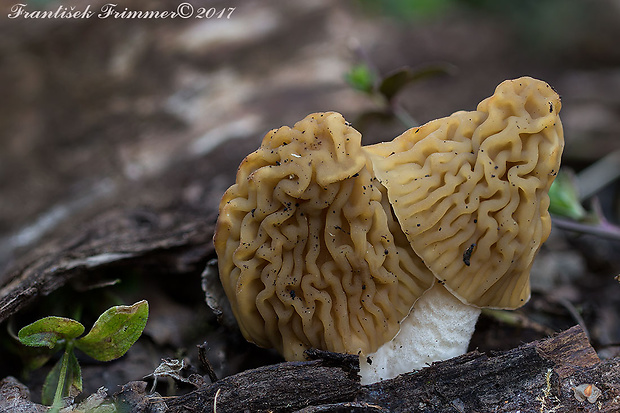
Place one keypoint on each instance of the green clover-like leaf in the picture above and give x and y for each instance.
(116, 330)
(47, 331)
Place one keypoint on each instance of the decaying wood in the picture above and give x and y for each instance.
(537, 377)
(15, 397)
(175, 239)
(280, 387)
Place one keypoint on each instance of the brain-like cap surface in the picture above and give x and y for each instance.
(310, 254)
(471, 190)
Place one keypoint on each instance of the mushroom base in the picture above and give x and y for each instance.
(438, 327)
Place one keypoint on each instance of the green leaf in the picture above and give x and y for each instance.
(360, 77)
(398, 79)
(116, 330)
(47, 331)
(66, 373)
(564, 200)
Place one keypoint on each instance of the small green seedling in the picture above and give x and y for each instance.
(361, 77)
(116, 330)
(383, 90)
(564, 200)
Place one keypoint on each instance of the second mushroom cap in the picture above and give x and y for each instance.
(471, 190)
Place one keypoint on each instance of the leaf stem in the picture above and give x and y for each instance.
(597, 176)
(62, 378)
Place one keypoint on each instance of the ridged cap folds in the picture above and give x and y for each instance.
(310, 254)
(470, 191)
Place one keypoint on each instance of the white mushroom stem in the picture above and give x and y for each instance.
(439, 327)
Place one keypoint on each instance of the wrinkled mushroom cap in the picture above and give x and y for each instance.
(471, 190)
(310, 254)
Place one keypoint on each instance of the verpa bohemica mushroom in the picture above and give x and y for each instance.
(308, 255)
(470, 192)
(322, 243)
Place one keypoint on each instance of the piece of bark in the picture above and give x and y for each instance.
(282, 387)
(15, 398)
(134, 398)
(168, 239)
(535, 377)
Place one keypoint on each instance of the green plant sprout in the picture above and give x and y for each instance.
(568, 212)
(114, 332)
(361, 77)
(384, 89)
(564, 198)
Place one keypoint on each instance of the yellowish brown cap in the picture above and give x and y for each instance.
(310, 254)
(471, 190)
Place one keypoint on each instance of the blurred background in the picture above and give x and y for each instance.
(89, 105)
(92, 111)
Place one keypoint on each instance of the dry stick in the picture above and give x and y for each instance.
(598, 175)
(608, 231)
(589, 182)
(204, 361)
(602, 228)
(573, 312)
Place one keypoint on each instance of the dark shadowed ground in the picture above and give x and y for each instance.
(117, 133)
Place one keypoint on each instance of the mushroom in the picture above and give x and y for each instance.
(309, 252)
(390, 251)
(470, 192)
